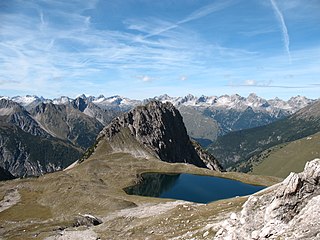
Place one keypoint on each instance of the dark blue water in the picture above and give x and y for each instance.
(194, 188)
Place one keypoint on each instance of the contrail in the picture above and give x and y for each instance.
(283, 26)
(202, 12)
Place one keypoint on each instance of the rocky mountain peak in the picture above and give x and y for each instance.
(80, 103)
(83, 96)
(42, 107)
(16, 114)
(280, 211)
(62, 100)
(159, 127)
(100, 97)
(253, 96)
(311, 112)
(202, 99)
(10, 106)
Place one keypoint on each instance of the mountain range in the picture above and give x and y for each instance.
(145, 139)
(242, 147)
(236, 102)
(70, 126)
(47, 137)
(239, 103)
(205, 117)
(87, 200)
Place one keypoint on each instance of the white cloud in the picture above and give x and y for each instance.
(250, 82)
(257, 32)
(47, 52)
(145, 78)
(183, 78)
(266, 84)
(36, 49)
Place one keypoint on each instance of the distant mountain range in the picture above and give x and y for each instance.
(205, 117)
(113, 102)
(217, 116)
(235, 102)
(41, 135)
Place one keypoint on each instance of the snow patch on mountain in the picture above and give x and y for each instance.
(235, 102)
(239, 103)
(27, 100)
(62, 100)
(116, 102)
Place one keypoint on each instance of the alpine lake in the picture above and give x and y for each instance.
(189, 187)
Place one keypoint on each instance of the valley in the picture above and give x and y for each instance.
(50, 204)
(73, 124)
(240, 146)
(159, 120)
(87, 200)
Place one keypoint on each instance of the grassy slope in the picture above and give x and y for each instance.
(290, 157)
(240, 146)
(96, 187)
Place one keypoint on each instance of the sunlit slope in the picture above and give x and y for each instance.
(238, 147)
(291, 157)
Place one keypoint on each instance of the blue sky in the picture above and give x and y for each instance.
(144, 48)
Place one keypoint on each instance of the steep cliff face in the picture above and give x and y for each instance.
(27, 148)
(289, 210)
(23, 154)
(67, 123)
(159, 127)
(13, 113)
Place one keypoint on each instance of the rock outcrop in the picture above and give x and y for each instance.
(86, 220)
(289, 210)
(159, 127)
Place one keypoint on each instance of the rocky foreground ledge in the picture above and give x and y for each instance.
(288, 210)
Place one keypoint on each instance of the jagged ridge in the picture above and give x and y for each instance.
(159, 127)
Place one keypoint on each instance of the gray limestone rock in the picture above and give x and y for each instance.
(86, 220)
(288, 210)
